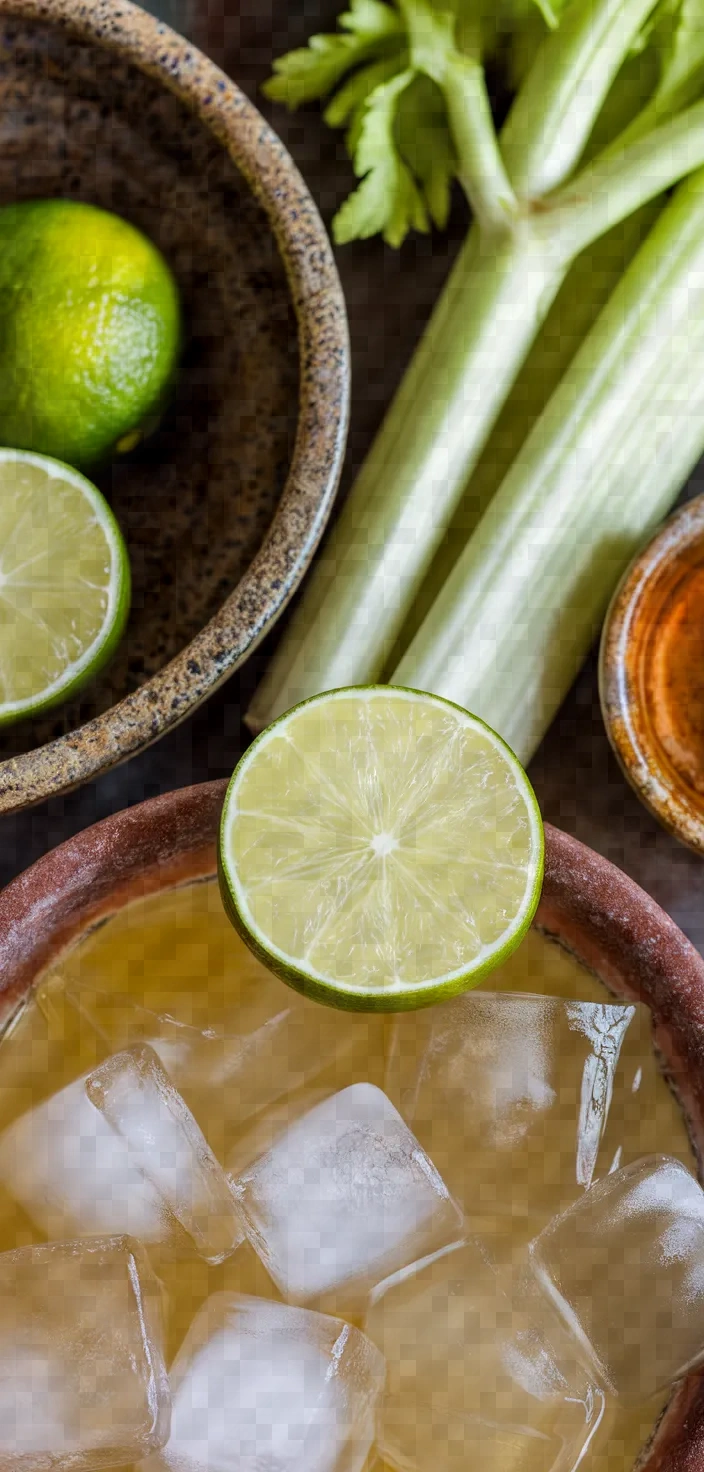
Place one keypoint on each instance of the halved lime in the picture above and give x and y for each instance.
(64, 582)
(380, 848)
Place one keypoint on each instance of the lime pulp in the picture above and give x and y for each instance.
(64, 583)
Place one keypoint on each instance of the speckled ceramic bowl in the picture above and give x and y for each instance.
(651, 674)
(588, 906)
(222, 509)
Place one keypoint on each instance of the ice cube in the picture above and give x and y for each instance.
(510, 1095)
(44, 1047)
(135, 1095)
(344, 1198)
(259, 1135)
(471, 1382)
(235, 1060)
(82, 1379)
(185, 1292)
(263, 1387)
(624, 1268)
(73, 1174)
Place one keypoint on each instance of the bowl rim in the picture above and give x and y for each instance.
(588, 905)
(627, 726)
(269, 582)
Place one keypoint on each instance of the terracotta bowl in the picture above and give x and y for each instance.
(588, 906)
(222, 509)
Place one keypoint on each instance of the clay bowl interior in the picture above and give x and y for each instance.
(650, 674)
(223, 506)
(588, 906)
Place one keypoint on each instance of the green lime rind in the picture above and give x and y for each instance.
(346, 1000)
(90, 331)
(102, 648)
(381, 999)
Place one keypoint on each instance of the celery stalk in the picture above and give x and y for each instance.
(552, 117)
(495, 301)
(582, 296)
(373, 564)
(584, 292)
(604, 462)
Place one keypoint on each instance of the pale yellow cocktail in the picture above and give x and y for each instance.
(175, 955)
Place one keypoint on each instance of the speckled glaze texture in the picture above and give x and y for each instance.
(223, 508)
(587, 905)
(655, 576)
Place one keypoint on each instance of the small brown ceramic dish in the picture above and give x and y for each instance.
(587, 905)
(222, 509)
(652, 674)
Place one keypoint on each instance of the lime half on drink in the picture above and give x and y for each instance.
(380, 848)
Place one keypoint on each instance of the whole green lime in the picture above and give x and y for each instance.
(89, 331)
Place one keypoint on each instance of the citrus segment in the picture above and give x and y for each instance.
(380, 848)
(64, 582)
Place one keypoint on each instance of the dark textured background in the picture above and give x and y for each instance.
(389, 296)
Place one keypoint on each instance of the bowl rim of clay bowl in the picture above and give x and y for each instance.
(658, 570)
(265, 588)
(588, 905)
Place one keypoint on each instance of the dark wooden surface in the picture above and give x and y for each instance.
(389, 295)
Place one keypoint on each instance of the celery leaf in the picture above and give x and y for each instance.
(378, 72)
(388, 201)
(370, 19)
(368, 29)
(348, 104)
(424, 141)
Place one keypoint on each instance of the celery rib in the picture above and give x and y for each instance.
(460, 76)
(622, 181)
(583, 295)
(404, 497)
(482, 172)
(553, 115)
(517, 616)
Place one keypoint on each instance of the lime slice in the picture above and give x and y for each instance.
(64, 582)
(380, 848)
